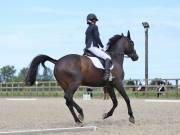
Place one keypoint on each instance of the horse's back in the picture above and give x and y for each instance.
(77, 68)
(68, 62)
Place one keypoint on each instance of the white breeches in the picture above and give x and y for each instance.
(98, 52)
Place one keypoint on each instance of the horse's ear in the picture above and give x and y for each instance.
(122, 34)
(128, 35)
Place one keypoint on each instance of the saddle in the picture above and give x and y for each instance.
(97, 61)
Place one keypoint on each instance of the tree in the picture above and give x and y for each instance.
(0, 76)
(130, 82)
(46, 76)
(7, 73)
(22, 74)
(155, 81)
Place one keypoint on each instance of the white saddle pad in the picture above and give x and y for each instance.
(96, 62)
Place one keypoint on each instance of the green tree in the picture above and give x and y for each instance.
(22, 74)
(130, 82)
(7, 73)
(46, 76)
(155, 81)
(0, 76)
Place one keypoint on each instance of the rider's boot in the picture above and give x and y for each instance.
(107, 69)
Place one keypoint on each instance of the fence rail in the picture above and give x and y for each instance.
(52, 87)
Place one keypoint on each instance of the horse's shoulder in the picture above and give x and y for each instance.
(118, 70)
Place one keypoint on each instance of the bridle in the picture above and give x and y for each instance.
(128, 55)
(131, 50)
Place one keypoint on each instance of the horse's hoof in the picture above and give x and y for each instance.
(105, 115)
(79, 124)
(81, 117)
(132, 120)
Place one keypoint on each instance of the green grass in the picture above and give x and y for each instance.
(153, 94)
(96, 94)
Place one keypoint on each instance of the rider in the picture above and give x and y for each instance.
(93, 42)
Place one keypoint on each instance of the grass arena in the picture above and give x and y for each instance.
(152, 116)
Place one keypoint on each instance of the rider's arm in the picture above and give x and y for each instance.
(96, 34)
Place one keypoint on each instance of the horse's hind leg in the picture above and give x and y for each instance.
(70, 103)
(79, 110)
(111, 92)
(121, 90)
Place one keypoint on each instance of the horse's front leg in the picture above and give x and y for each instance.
(111, 92)
(119, 86)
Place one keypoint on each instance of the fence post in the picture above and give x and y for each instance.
(136, 84)
(6, 89)
(166, 88)
(12, 89)
(49, 85)
(18, 89)
(177, 88)
(146, 87)
(0, 89)
(36, 88)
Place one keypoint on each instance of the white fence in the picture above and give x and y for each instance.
(52, 86)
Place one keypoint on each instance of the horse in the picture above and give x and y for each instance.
(74, 70)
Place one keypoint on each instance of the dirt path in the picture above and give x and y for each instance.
(151, 118)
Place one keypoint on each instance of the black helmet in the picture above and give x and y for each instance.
(91, 17)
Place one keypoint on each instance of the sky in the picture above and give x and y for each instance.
(57, 28)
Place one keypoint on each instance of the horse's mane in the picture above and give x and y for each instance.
(113, 40)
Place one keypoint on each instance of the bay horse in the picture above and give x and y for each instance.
(74, 70)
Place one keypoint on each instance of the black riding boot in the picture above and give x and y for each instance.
(107, 69)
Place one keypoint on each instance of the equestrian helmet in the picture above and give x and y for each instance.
(91, 17)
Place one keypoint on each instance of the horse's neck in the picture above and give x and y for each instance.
(118, 58)
(118, 54)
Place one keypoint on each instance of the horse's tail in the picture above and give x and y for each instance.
(33, 69)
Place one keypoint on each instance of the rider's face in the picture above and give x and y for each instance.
(94, 21)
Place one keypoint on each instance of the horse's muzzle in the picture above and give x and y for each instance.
(134, 57)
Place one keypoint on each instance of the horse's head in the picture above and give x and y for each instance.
(120, 44)
(129, 49)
